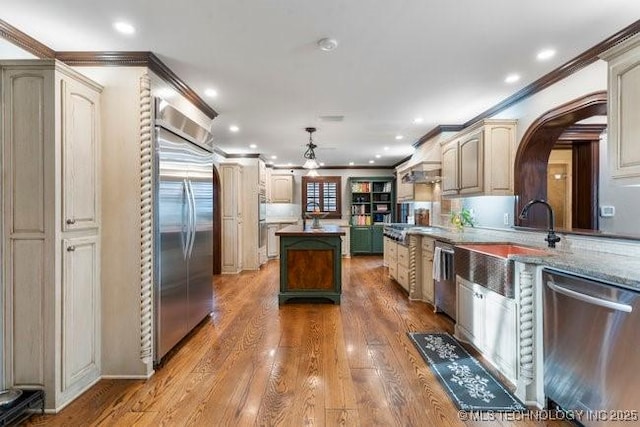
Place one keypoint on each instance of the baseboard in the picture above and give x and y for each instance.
(80, 393)
(128, 377)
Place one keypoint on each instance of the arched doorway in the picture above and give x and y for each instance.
(530, 169)
(217, 223)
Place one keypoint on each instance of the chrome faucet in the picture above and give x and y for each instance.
(551, 239)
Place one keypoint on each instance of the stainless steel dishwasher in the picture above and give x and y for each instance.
(444, 277)
(591, 344)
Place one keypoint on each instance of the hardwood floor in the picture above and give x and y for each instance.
(256, 363)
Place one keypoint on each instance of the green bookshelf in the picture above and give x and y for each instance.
(372, 205)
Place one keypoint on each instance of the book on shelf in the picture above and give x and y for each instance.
(361, 220)
(382, 187)
(360, 187)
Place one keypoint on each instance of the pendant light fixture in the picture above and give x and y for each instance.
(310, 154)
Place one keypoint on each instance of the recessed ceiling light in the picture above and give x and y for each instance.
(253, 146)
(545, 54)
(378, 156)
(386, 148)
(124, 28)
(399, 137)
(211, 93)
(351, 163)
(372, 161)
(274, 157)
(234, 128)
(289, 164)
(270, 162)
(417, 120)
(512, 78)
(327, 44)
(321, 163)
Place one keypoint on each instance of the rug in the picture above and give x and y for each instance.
(468, 383)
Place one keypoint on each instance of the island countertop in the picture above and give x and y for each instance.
(297, 231)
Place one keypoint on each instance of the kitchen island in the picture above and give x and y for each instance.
(310, 263)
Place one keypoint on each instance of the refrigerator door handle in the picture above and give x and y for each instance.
(186, 222)
(192, 226)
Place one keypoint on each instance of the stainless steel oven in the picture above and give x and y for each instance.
(444, 277)
(591, 346)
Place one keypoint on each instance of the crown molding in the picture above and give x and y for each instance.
(437, 131)
(25, 41)
(133, 59)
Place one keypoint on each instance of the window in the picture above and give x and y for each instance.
(322, 192)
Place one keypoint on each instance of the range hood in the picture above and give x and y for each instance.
(419, 176)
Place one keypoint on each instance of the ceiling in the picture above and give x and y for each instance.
(443, 61)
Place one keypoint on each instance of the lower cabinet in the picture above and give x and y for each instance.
(391, 250)
(81, 314)
(403, 267)
(367, 239)
(377, 245)
(360, 240)
(273, 243)
(488, 321)
(427, 269)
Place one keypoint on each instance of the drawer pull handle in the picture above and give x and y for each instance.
(71, 221)
(71, 248)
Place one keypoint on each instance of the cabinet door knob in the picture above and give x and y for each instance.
(71, 221)
(71, 248)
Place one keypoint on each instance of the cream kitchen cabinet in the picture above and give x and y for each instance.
(479, 160)
(51, 228)
(403, 266)
(281, 189)
(391, 248)
(427, 269)
(273, 242)
(489, 322)
(231, 175)
(623, 128)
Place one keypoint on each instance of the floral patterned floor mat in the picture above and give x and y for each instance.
(468, 383)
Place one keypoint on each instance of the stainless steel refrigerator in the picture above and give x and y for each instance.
(183, 202)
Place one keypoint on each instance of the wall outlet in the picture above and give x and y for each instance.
(506, 218)
(607, 211)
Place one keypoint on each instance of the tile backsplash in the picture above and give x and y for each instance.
(283, 210)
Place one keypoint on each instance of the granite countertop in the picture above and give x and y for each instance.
(618, 269)
(324, 231)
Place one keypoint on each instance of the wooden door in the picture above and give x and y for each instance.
(471, 162)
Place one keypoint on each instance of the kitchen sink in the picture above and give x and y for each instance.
(504, 250)
(489, 265)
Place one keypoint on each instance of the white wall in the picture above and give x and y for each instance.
(625, 199)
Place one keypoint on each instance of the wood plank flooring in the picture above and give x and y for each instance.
(256, 363)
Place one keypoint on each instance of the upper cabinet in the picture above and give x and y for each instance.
(479, 160)
(623, 105)
(281, 189)
(80, 115)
